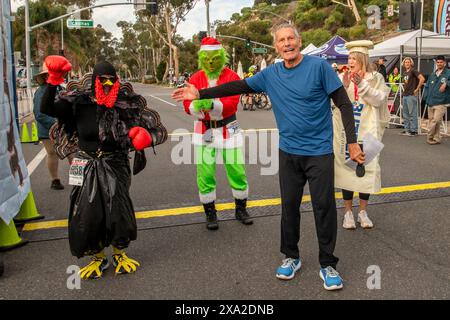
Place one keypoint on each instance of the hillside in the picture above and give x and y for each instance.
(317, 20)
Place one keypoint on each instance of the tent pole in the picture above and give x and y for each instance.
(419, 117)
(401, 84)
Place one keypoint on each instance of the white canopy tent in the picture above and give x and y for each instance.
(420, 44)
(309, 48)
(408, 44)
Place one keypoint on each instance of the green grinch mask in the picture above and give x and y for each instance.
(212, 62)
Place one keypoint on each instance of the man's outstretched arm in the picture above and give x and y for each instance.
(228, 89)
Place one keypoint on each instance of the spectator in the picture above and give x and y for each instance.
(437, 97)
(44, 123)
(394, 81)
(413, 81)
(382, 68)
(335, 67)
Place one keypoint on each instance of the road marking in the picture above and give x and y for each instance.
(170, 103)
(230, 205)
(36, 161)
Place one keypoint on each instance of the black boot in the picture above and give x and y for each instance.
(211, 216)
(241, 211)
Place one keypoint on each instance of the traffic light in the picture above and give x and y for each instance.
(153, 8)
(248, 43)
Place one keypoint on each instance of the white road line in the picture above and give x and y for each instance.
(36, 161)
(170, 103)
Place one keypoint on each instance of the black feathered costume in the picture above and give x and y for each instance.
(101, 211)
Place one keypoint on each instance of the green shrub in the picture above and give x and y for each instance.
(311, 19)
(357, 32)
(334, 20)
(344, 33)
(316, 37)
(303, 6)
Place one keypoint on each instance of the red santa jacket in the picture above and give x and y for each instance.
(223, 107)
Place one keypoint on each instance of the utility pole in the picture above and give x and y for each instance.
(28, 49)
(62, 37)
(208, 25)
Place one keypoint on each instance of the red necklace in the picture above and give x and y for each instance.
(103, 99)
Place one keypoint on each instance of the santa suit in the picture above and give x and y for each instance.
(227, 139)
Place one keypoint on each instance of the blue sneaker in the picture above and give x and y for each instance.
(331, 279)
(288, 269)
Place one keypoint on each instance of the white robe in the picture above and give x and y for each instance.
(371, 116)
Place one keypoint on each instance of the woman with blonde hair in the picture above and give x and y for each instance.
(368, 92)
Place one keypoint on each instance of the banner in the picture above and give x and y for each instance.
(442, 17)
(14, 179)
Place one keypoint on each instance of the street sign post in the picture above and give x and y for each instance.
(260, 50)
(72, 24)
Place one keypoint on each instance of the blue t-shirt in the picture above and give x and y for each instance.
(301, 104)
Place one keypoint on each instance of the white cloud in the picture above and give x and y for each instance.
(195, 20)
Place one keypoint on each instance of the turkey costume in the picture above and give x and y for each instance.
(216, 130)
(106, 119)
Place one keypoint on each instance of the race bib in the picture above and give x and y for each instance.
(208, 136)
(76, 171)
(233, 128)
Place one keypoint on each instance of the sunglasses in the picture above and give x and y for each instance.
(107, 80)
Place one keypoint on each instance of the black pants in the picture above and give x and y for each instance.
(295, 171)
(348, 195)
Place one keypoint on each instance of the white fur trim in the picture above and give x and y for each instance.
(207, 198)
(197, 115)
(217, 110)
(240, 194)
(210, 47)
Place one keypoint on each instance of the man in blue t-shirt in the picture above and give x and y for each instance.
(300, 89)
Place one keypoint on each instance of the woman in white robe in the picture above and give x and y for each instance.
(368, 92)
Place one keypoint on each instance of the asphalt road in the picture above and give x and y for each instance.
(409, 243)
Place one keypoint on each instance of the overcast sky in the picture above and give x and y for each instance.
(195, 20)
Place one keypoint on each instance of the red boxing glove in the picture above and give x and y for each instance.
(140, 138)
(57, 67)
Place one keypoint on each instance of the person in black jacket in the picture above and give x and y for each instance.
(382, 68)
(107, 122)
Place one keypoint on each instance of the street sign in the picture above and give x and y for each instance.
(71, 24)
(260, 50)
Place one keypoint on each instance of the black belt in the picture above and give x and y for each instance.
(218, 123)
